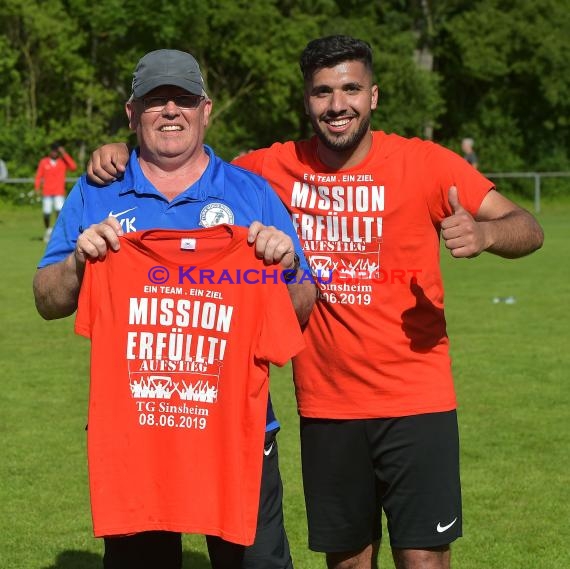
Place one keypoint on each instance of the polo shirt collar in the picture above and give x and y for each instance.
(210, 183)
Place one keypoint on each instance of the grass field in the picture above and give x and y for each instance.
(511, 365)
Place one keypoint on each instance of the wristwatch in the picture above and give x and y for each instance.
(289, 275)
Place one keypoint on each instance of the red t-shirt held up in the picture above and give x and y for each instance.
(183, 325)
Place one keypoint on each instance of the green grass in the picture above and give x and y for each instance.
(511, 367)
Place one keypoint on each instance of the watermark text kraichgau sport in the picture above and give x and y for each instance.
(201, 276)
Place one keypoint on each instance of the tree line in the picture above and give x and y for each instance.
(493, 70)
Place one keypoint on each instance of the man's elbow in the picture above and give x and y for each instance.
(530, 235)
(42, 304)
(46, 304)
(539, 237)
(535, 237)
(45, 313)
(49, 311)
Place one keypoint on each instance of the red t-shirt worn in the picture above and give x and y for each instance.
(376, 341)
(183, 325)
(52, 173)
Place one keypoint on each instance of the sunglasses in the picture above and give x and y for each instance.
(156, 104)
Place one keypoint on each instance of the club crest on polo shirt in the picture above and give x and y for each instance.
(215, 214)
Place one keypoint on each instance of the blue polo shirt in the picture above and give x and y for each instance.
(223, 194)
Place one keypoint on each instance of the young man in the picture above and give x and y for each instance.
(174, 181)
(374, 386)
(50, 178)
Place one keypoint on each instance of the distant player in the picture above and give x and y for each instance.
(50, 179)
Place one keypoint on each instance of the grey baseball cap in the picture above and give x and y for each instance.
(167, 67)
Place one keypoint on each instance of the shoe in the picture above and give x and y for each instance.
(47, 234)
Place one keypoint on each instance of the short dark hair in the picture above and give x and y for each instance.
(332, 50)
(55, 145)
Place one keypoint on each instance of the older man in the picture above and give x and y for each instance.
(174, 181)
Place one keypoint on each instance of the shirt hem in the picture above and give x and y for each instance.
(121, 531)
(311, 413)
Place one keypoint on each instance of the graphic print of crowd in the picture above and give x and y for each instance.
(204, 390)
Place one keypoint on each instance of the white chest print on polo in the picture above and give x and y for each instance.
(215, 214)
(127, 223)
(441, 529)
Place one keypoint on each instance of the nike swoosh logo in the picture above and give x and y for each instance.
(441, 529)
(267, 451)
(111, 214)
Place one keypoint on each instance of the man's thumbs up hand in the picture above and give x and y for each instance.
(454, 202)
(463, 236)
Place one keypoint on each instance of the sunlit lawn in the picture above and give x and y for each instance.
(511, 366)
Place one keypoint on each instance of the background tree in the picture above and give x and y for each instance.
(494, 70)
(507, 82)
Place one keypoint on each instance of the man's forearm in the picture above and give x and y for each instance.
(56, 288)
(514, 235)
(303, 296)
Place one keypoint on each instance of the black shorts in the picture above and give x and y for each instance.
(270, 550)
(407, 466)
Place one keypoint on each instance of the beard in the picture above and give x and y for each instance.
(345, 142)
